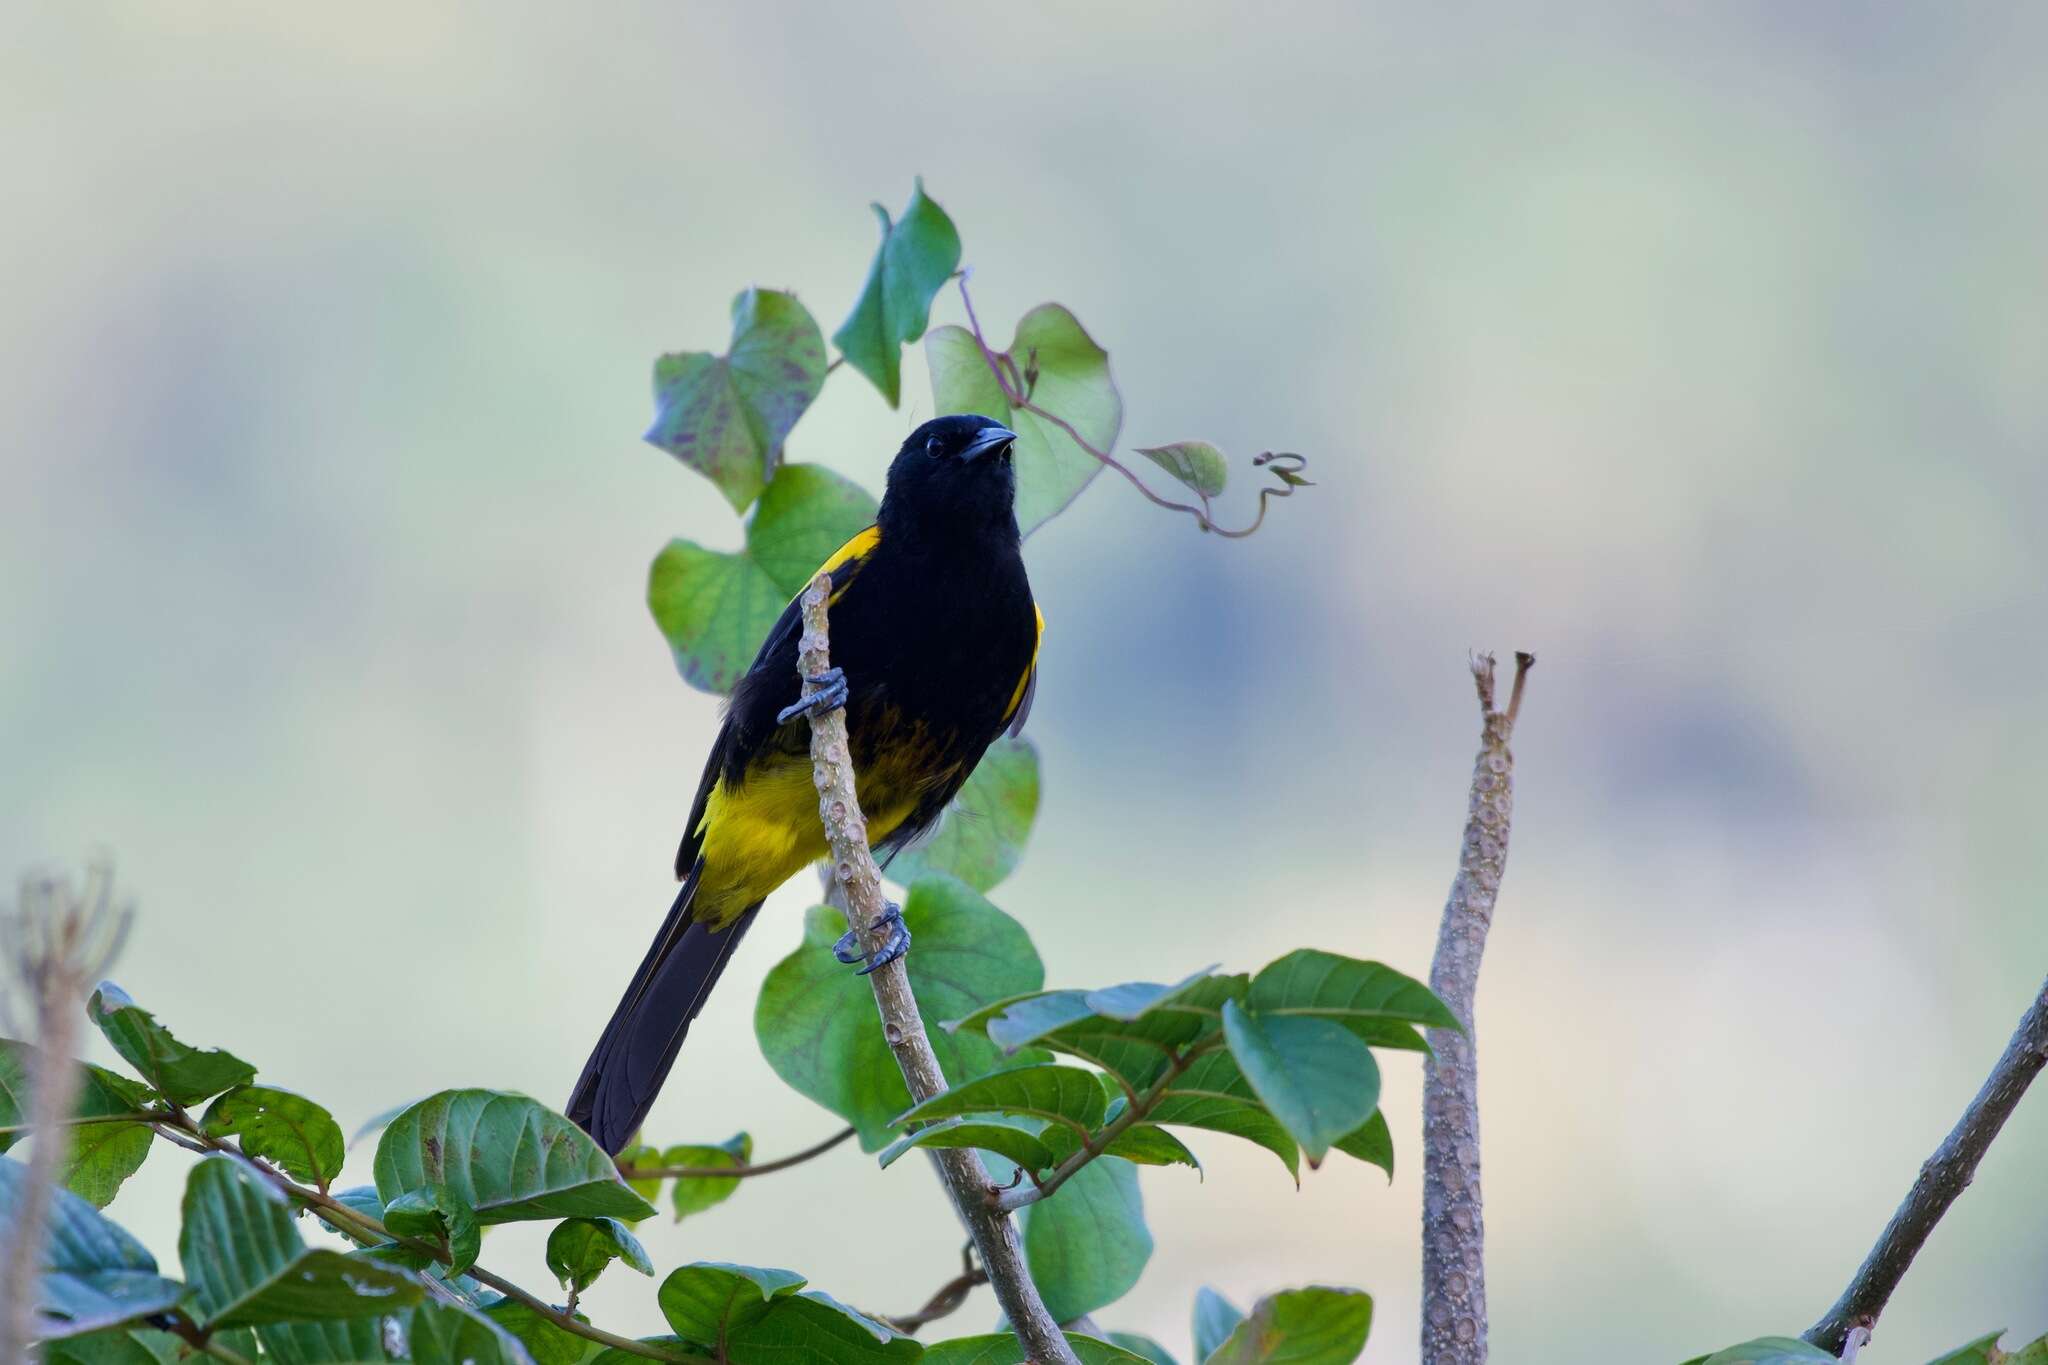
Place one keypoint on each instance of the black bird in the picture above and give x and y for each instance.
(935, 646)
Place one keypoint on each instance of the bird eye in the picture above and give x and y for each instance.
(933, 448)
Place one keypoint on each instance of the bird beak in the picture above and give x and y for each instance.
(990, 441)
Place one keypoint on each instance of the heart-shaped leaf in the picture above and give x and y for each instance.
(505, 1156)
(1314, 1326)
(727, 416)
(816, 1020)
(1197, 464)
(919, 252)
(981, 836)
(1062, 380)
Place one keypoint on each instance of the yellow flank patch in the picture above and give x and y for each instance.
(1017, 697)
(758, 837)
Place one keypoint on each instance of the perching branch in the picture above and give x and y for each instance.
(1943, 1177)
(853, 868)
(56, 942)
(1453, 1221)
(630, 1171)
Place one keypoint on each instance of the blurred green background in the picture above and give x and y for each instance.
(1699, 348)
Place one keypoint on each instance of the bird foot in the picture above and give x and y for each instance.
(848, 949)
(831, 694)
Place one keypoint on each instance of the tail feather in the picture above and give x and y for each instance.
(639, 1045)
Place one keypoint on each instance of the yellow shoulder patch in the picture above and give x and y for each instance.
(852, 549)
(1024, 683)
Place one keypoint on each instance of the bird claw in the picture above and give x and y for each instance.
(848, 949)
(831, 694)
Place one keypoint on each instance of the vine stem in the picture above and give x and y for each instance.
(853, 869)
(633, 1172)
(1453, 1214)
(1943, 1177)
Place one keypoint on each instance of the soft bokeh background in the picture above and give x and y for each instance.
(1699, 348)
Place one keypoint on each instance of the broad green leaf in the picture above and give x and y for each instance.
(504, 1155)
(816, 1020)
(981, 836)
(918, 253)
(363, 1199)
(694, 1194)
(1772, 1351)
(1215, 1319)
(282, 1127)
(1148, 1145)
(1371, 1143)
(94, 1274)
(181, 1073)
(1143, 1347)
(706, 1299)
(1197, 464)
(1351, 991)
(612, 1355)
(248, 1265)
(1004, 1139)
(101, 1156)
(378, 1122)
(1136, 1048)
(1133, 1000)
(727, 416)
(543, 1340)
(1057, 367)
(1214, 1095)
(641, 1156)
(580, 1248)
(357, 1341)
(1314, 1326)
(753, 1316)
(1060, 1094)
(1312, 1074)
(1087, 1244)
(1986, 1351)
(435, 1213)
(715, 608)
(438, 1334)
(118, 1346)
(1003, 1348)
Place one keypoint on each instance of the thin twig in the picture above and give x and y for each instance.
(86, 1121)
(633, 1172)
(948, 1298)
(1453, 1215)
(1942, 1177)
(853, 866)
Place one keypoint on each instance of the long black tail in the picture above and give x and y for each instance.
(632, 1058)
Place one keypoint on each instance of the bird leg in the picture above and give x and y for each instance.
(830, 696)
(848, 949)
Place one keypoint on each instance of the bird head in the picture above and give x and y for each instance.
(953, 475)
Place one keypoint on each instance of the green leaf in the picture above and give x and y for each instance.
(1214, 1095)
(1353, 992)
(1060, 1094)
(754, 1316)
(644, 1157)
(1147, 1145)
(727, 416)
(1010, 1141)
(816, 1021)
(612, 1355)
(1314, 1326)
(1986, 1351)
(363, 1199)
(1197, 464)
(715, 608)
(94, 1274)
(183, 1074)
(116, 1347)
(694, 1194)
(917, 255)
(1003, 1348)
(378, 1122)
(1159, 1021)
(1087, 1244)
(981, 836)
(1371, 1143)
(506, 1156)
(1772, 1351)
(1133, 1000)
(1143, 1347)
(438, 1334)
(580, 1248)
(101, 1155)
(357, 1341)
(247, 1264)
(1312, 1074)
(1057, 365)
(706, 1299)
(286, 1128)
(435, 1213)
(1215, 1319)
(543, 1340)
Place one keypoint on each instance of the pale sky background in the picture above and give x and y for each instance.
(1699, 348)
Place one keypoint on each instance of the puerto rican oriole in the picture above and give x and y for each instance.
(935, 652)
